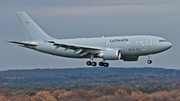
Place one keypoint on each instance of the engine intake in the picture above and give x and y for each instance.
(110, 54)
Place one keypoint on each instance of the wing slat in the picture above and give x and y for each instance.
(73, 46)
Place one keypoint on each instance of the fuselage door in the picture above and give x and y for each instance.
(108, 44)
(149, 42)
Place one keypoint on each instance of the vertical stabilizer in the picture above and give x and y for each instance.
(30, 29)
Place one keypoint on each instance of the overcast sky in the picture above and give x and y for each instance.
(65, 19)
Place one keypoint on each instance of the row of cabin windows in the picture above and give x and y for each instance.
(111, 43)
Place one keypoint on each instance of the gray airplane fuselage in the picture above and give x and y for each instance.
(132, 46)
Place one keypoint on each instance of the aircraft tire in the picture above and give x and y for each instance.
(88, 63)
(106, 64)
(149, 61)
(101, 64)
(94, 63)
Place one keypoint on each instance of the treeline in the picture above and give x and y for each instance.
(96, 75)
(95, 93)
(145, 89)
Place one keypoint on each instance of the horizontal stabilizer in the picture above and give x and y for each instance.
(23, 43)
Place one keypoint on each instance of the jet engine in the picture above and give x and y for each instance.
(110, 54)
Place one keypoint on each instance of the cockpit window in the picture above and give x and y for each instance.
(162, 41)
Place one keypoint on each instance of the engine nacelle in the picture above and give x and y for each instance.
(130, 58)
(110, 54)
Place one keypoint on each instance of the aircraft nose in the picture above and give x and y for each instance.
(168, 45)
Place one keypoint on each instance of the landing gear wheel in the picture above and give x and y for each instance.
(101, 64)
(88, 63)
(106, 64)
(94, 63)
(149, 61)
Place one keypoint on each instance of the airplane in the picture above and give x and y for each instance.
(127, 48)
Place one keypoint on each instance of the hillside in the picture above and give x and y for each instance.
(96, 75)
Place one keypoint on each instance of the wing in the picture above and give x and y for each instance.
(80, 49)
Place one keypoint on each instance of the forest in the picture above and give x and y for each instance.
(90, 84)
(97, 93)
(95, 75)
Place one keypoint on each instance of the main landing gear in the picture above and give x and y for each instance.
(91, 63)
(105, 64)
(149, 61)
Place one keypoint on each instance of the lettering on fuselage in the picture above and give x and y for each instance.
(118, 40)
(134, 49)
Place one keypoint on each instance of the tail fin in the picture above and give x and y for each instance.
(30, 29)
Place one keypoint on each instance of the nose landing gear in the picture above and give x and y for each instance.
(149, 61)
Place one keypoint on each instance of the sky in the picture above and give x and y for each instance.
(64, 19)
